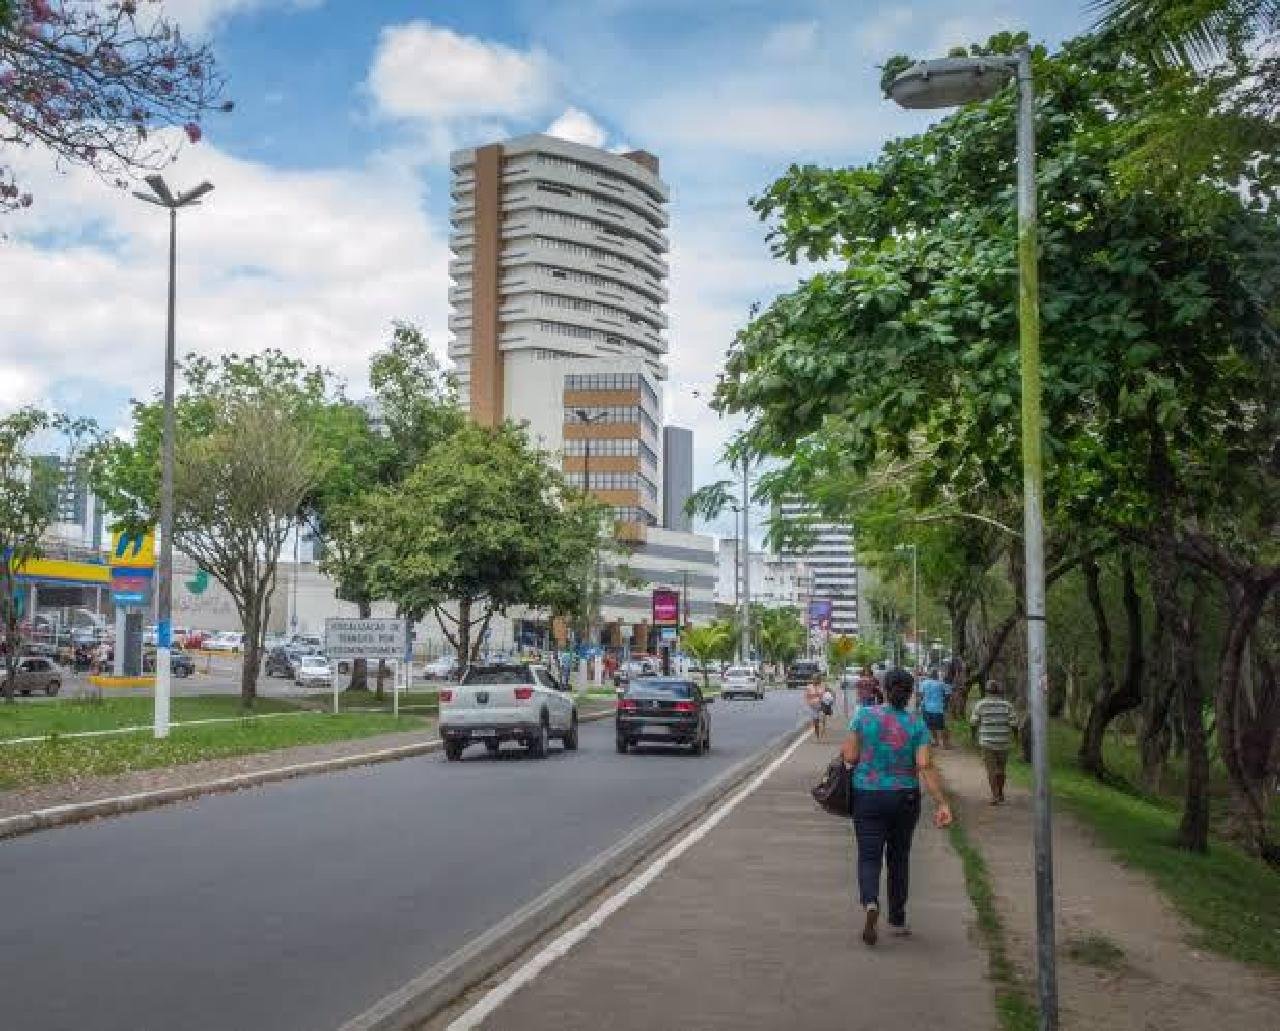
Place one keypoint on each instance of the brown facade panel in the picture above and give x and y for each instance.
(632, 533)
(602, 464)
(487, 401)
(584, 398)
(602, 431)
(619, 498)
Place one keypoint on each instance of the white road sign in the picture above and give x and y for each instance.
(365, 639)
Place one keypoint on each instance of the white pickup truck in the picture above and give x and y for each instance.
(507, 702)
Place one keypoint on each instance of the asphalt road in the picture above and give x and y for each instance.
(298, 905)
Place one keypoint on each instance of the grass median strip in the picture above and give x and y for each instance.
(62, 759)
(70, 716)
(1014, 1006)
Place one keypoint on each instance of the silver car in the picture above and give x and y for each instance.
(34, 673)
(741, 680)
(314, 671)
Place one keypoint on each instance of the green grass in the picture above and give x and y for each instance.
(28, 719)
(62, 759)
(1230, 898)
(1095, 950)
(418, 702)
(1014, 1006)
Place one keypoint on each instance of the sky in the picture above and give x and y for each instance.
(330, 213)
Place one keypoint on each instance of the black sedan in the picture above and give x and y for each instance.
(663, 710)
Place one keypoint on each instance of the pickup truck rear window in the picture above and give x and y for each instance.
(498, 676)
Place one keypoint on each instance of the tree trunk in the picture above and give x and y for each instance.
(1165, 681)
(360, 667)
(1247, 721)
(382, 672)
(252, 655)
(464, 633)
(1193, 834)
(1111, 699)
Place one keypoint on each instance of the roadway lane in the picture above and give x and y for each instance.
(298, 905)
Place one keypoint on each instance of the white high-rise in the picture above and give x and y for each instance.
(829, 563)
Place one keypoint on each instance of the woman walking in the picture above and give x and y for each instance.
(813, 703)
(888, 749)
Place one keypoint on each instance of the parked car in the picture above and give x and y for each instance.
(800, 673)
(742, 680)
(278, 663)
(507, 702)
(314, 671)
(633, 668)
(225, 641)
(663, 710)
(274, 641)
(443, 668)
(34, 673)
(310, 644)
(180, 663)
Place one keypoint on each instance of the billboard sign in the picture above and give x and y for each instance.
(130, 586)
(820, 613)
(133, 550)
(666, 607)
(366, 639)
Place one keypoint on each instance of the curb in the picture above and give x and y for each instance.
(79, 812)
(442, 984)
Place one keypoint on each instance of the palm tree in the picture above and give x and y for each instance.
(706, 643)
(1189, 33)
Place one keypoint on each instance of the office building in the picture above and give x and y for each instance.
(677, 478)
(558, 323)
(827, 564)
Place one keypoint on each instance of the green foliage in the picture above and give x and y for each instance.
(781, 634)
(707, 644)
(485, 521)
(891, 69)
(840, 652)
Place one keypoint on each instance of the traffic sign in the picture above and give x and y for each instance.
(366, 639)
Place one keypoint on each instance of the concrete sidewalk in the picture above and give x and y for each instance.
(755, 927)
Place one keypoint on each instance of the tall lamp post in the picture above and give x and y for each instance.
(746, 562)
(585, 418)
(915, 594)
(163, 197)
(947, 83)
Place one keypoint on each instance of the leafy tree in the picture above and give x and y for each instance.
(707, 644)
(28, 506)
(781, 634)
(93, 82)
(246, 459)
(840, 652)
(483, 523)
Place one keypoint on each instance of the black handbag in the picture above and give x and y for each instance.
(834, 792)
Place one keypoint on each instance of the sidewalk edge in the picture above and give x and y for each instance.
(118, 805)
(440, 985)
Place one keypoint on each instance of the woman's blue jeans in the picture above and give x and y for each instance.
(885, 822)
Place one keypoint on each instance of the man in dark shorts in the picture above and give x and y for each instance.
(933, 707)
(993, 721)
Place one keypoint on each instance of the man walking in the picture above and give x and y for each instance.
(993, 721)
(933, 707)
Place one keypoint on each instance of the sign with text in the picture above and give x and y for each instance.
(666, 607)
(130, 586)
(365, 639)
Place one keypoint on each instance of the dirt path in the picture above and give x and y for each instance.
(1159, 983)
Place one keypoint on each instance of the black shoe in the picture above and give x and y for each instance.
(869, 935)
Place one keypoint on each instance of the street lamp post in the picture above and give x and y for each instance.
(746, 563)
(946, 83)
(915, 595)
(161, 196)
(585, 418)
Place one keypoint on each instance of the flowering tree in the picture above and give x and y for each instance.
(92, 81)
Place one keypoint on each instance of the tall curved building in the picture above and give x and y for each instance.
(558, 307)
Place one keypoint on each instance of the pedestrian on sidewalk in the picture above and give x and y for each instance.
(813, 703)
(994, 721)
(888, 749)
(933, 706)
(867, 690)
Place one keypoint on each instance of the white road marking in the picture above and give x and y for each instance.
(492, 1000)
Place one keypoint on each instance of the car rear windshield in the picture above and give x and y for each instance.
(805, 667)
(739, 671)
(498, 675)
(653, 687)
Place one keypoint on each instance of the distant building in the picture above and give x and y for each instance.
(775, 581)
(677, 477)
(827, 568)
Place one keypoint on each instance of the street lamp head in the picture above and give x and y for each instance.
(161, 188)
(193, 195)
(950, 82)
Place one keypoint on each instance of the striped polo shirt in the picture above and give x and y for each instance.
(994, 718)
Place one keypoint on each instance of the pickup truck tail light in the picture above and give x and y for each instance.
(446, 695)
(523, 694)
(626, 705)
(685, 707)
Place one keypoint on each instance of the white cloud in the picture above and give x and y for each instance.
(579, 127)
(764, 126)
(195, 17)
(315, 263)
(791, 40)
(423, 71)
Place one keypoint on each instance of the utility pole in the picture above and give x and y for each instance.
(746, 562)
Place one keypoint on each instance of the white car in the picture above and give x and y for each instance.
(443, 668)
(741, 680)
(225, 641)
(507, 702)
(314, 671)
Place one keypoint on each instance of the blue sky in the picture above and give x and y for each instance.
(330, 217)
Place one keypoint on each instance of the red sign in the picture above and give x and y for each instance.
(666, 607)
